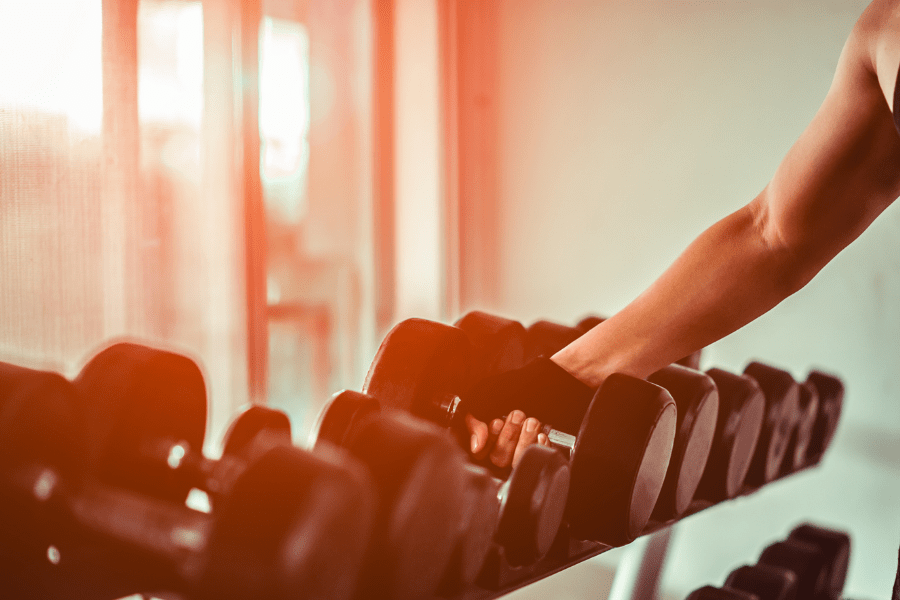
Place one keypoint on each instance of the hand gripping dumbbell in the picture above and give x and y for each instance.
(619, 446)
(292, 525)
(697, 401)
(480, 513)
(419, 476)
(741, 411)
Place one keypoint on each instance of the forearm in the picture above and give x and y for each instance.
(731, 274)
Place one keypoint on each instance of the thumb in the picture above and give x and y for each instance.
(479, 434)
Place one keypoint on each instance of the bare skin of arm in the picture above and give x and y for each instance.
(841, 173)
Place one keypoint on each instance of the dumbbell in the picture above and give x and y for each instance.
(619, 446)
(807, 561)
(767, 582)
(498, 344)
(287, 503)
(834, 547)
(546, 338)
(709, 592)
(339, 420)
(801, 436)
(691, 361)
(782, 395)
(697, 402)
(830, 391)
(419, 475)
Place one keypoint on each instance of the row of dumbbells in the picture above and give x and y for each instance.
(640, 455)
(810, 564)
(110, 457)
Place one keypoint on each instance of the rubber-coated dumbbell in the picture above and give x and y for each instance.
(522, 510)
(767, 582)
(697, 402)
(830, 391)
(709, 592)
(806, 561)
(498, 344)
(418, 472)
(619, 446)
(317, 511)
(835, 546)
(338, 421)
(546, 338)
(801, 436)
(741, 411)
(691, 361)
(782, 396)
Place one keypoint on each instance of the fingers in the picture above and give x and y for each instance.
(507, 439)
(528, 436)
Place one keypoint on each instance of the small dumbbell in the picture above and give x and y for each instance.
(697, 402)
(741, 411)
(782, 396)
(284, 500)
(418, 472)
(619, 445)
(809, 564)
(767, 582)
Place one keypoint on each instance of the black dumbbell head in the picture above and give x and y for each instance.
(741, 411)
(835, 545)
(340, 417)
(418, 473)
(135, 396)
(765, 581)
(831, 398)
(417, 365)
(498, 344)
(709, 592)
(254, 430)
(805, 560)
(294, 525)
(807, 413)
(42, 450)
(620, 459)
(782, 397)
(697, 403)
(533, 505)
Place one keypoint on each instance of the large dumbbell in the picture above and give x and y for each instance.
(766, 582)
(418, 472)
(741, 411)
(782, 396)
(619, 446)
(338, 421)
(697, 402)
(285, 504)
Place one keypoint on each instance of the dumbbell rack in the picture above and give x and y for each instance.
(498, 578)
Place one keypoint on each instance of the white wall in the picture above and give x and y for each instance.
(627, 127)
